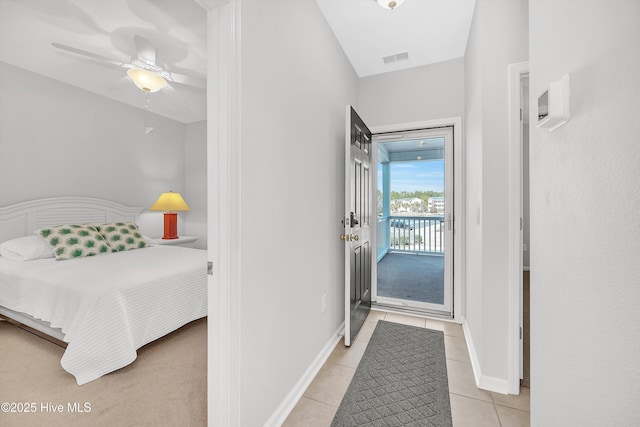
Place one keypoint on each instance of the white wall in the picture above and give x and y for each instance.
(585, 199)
(296, 82)
(429, 92)
(58, 140)
(195, 193)
(498, 37)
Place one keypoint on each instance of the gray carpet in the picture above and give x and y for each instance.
(400, 381)
(412, 277)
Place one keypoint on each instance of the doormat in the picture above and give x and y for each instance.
(400, 381)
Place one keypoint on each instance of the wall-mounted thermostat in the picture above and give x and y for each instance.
(553, 105)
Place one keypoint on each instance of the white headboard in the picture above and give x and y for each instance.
(22, 219)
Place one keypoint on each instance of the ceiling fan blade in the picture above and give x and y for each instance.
(188, 80)
(146, 50)
(90, 54)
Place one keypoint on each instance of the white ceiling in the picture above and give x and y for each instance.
(428, 30)
(106, 27)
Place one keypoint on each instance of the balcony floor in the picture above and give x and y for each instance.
(412, 277)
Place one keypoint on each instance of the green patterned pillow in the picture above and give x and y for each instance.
(74, 241)
(122, 236)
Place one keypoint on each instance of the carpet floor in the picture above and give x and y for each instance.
(401, 380)
(165, 386)
(412, 277)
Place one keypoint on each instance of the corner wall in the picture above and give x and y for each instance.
(498, 37)
(585, 233)
(195, 192)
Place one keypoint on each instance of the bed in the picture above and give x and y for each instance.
(102, 307)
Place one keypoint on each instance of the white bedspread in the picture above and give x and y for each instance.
(109, 305)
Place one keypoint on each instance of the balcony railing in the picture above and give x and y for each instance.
(417, 234)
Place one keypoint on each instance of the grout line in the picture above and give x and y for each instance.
(316, 400)
(497, 414)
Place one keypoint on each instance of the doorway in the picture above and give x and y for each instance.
(519, 249)
(414, 226)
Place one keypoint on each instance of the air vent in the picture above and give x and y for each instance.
(402, 56)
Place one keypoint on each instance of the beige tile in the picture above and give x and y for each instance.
(454, 329)
(405, 319)
(375, 315)
(330, 384)
(309, 412)
(467, 412)
(366, 331)
(520, 401)
(436, 325)
(456, 348)
(510, 417)
(348, 356)
(462, 382)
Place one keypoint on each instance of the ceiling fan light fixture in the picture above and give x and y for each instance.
(147, 81)
(390, 4)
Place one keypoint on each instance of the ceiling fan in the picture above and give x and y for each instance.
(143, 70)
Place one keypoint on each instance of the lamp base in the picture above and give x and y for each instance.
(170, 226)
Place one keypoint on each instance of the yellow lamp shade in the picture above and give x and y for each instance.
(170, 202)
(146, 80)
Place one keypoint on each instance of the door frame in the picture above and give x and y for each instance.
(223, 210)
(458, 203)
(437, 310)
(516, 73)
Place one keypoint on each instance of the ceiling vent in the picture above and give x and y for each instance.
(403, 56)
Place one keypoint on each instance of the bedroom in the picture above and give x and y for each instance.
(58, 139)
(564, 161)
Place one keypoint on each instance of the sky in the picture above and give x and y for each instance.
(416, 176)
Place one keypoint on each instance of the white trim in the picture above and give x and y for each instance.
(347, 227)
(515, 74)
(459, 200)
(485, 382)
(223, 204)
(292, 398)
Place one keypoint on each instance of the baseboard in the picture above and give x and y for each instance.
(485, 382)
(292, 398)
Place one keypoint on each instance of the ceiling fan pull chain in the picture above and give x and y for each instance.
(147, 128)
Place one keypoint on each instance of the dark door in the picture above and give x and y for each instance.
(357, 220)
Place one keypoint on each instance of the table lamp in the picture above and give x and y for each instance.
(170, 203)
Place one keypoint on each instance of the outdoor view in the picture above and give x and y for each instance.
(411, 225)
(416, 196)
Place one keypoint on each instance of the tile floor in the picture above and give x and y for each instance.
(470, 406)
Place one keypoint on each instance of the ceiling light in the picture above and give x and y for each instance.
(390, 4)
(147, 81)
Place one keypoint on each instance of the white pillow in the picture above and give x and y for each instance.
(26, 248)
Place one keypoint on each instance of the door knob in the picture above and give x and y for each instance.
(344, 237)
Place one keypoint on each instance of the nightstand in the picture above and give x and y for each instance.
(182, 240)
